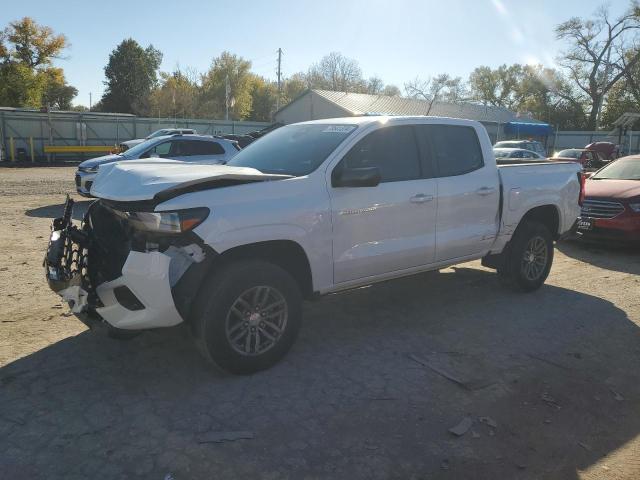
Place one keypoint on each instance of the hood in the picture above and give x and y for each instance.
(94, 162)
(140, 180)
(616, 189)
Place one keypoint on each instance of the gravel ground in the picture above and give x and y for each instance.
(548, 381)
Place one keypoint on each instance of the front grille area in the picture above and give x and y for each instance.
(601, 209)
(77, 180)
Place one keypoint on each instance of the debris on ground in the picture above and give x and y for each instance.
(221, 437)
(585, 446)
(462, 427)
(467, 384)
(549, 400)
(445, 464)
(489, 421)
(616, 395)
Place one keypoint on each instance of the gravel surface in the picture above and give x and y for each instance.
(379, 375)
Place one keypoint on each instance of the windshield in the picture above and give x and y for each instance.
(508, 145)
(159, 133)
(571, 153)
(502, 153)
(294, 149)
(135, 152)
(620, 170)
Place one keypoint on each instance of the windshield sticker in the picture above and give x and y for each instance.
(339, 129)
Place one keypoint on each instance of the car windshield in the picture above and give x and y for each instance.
(571, 153)
(136, 151)
(294, 149)
(508, 145)
(502, 153)
(623, 169)
(159, 133)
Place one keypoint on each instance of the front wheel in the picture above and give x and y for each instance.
(247, 316)
(528, 257)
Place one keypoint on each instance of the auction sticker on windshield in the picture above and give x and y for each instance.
(339, 129)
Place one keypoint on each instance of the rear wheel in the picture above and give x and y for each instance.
(247, 316)
(528, 257)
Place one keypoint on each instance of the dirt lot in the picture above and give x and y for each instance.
(554, 375)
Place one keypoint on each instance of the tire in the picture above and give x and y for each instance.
(247, 316)
(528, 257)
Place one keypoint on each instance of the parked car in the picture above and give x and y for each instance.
(606, 150)
(511, 155)
(532, 145)
(309, 209)
(124, 146)
(188, 148)
(589, 159)
(611, 209)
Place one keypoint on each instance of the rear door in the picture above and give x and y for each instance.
(468, 192)
(204, 151)
(389, 227)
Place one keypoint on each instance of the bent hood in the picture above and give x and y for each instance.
(139, 180)
(614, 189)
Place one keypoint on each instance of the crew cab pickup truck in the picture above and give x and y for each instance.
(310, 209)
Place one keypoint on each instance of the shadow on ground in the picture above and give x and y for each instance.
(55, 211)
(610, 257)
(357, 396)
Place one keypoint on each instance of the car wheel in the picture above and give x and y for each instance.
(247, 316)
(528, 257)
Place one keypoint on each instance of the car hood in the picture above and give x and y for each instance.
(159, 180)
(94, 162)
(617, 189)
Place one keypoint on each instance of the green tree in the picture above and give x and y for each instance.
(264, 96)
(27, 77)
(177, 95)
(232, 71)
(131, 75)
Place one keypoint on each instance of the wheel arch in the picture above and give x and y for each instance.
(548, 215)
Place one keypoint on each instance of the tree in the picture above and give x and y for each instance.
(442, 87)
(176, 96)
(391, 91)
(263, 99)
(131, 76)
(336, 72)
(214, 99)
(598, 54)
(293, 87)
(27, 78)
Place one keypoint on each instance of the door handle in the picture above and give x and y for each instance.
(421, 198)
(485, 191)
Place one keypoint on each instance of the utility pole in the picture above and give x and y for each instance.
(279, 79)
(89, 101)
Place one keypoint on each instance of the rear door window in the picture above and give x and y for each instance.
(205, 148)
(455, 148)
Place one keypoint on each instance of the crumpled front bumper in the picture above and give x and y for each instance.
(148, 292)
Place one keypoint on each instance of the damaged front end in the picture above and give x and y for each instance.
(128, 265)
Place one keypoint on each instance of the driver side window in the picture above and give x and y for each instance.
(392, 149)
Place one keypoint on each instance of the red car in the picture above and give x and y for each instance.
(611, 207)
(589, 159)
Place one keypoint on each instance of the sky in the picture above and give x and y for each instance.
(396, 40)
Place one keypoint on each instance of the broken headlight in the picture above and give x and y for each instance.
(167, 222)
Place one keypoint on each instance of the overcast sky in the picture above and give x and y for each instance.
(396, 40)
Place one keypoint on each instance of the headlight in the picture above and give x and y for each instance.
(635, 207)
(168, 222)
(89, 169)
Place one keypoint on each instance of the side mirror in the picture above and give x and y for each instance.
(356, 177)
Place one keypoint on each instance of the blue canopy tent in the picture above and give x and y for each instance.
(528, 129)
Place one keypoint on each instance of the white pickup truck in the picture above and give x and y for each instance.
(310, 209)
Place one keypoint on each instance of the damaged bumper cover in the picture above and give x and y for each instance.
(106, 271)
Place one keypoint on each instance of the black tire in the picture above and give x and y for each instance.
(518, 269)
(237, 285)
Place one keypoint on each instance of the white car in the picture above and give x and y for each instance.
(124, 146)
(504, 155)
(187, 148)
(310, 209)
(531, 145)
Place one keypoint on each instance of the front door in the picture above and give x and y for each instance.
(391, 226)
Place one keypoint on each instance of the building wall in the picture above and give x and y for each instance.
(309, 106)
